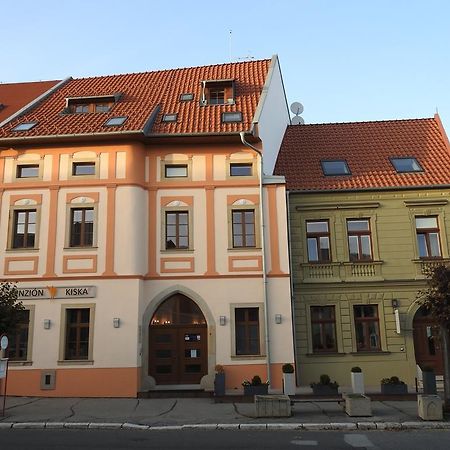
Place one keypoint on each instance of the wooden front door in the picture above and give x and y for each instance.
(178, 346)
(427, 344)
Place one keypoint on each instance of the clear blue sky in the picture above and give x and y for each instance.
(346, 60)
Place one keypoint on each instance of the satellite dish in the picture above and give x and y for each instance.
(297, 108)
(297, 120)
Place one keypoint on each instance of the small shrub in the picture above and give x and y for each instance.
(392, 380)
(325, 380)
(287, 368)
(256, 380)
(356, 369)
(219, 368)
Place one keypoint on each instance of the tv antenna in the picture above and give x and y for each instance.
(297, 109)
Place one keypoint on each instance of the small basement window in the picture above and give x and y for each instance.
(115, 121)
(241, 169)
(335, 167)
(170, 117)
(187, 97)
(27, 171)
(24, 126)
(83, 168)
(405, 165)
(230, 117)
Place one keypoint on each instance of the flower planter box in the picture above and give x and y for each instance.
(272, 406)
(322, 390)
(394, 389)
(219, 385)
(357, 405)
(262, 389)
(289, 383)
(429, 407)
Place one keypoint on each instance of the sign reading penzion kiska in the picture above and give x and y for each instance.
(51, 292)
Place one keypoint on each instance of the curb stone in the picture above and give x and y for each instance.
(200, 426)
(388, 425)
(343, 426)
(81, 425)
(284, 426)
(134, 426)
(253, 426)
(166, 428)
(367, 425)
(33, 425)
(105, 426)
(54, 425)
(228, 426)
(5, 425)
(316, 426)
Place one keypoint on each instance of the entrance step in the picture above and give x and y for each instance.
(177, 393)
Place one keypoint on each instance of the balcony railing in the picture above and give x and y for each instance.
(337, 272)
(423, 266)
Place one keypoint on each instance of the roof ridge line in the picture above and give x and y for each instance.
(364, 121)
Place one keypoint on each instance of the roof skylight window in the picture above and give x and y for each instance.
(186, 97)
(115, 121)
(405, 165)
(170, 117)
(335, 167)
(229, 117)
(25, 126)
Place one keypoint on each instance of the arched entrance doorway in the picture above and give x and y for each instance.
(427, 344)
(178, 349)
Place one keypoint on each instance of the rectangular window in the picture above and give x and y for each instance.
(18, 340)
(83, 168)
(367, 328)
(177, 230)
(216, 96)
(428, 241)
(175, 170)
(335, 167)
(247, 331)
(230, 117)
(318, 240)
(27, 171)
(81, 227)
(359, 240)
(243, 228)
(77, 334)
(80, 108)
(24, 228)
(241, 169)
(323, 326)
(102, 107)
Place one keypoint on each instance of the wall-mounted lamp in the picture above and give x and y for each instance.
(116, 322)
(395, 303)
(277, 318)
(47, 324)
(222, 320)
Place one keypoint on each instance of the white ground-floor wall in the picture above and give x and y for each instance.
(106, 352)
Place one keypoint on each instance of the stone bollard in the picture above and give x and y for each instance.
(272, 406)
(357, 405)
(429, 407)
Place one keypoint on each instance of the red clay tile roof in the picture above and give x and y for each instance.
(14, 96)
(367, 147)
(142, 93)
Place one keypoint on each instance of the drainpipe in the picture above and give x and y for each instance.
(263, 251)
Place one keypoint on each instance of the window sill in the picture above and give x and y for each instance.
(251, 357)
(367, 353)
(19, 363)
(244, 249)
(75, 362)
(177, 250)
(71, 249)
(313, 355)
(22, 250)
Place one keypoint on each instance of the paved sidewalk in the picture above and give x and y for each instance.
(26, 412)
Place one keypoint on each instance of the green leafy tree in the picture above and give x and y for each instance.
(10, 307)
(436, 299)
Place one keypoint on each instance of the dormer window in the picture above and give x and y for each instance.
(91, 104)
(335, 167)
(406, 165)
(218, 92)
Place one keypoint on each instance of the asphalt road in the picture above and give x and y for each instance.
(221, 439)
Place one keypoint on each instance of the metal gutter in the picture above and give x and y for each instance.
(34, 102)
(263, 251)
(372, 189)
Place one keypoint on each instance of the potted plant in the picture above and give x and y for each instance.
(219, 381)
(357, 380)
(429, 380)
(325, 386)
(288, 379)
(393, 386)
(255, 386)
